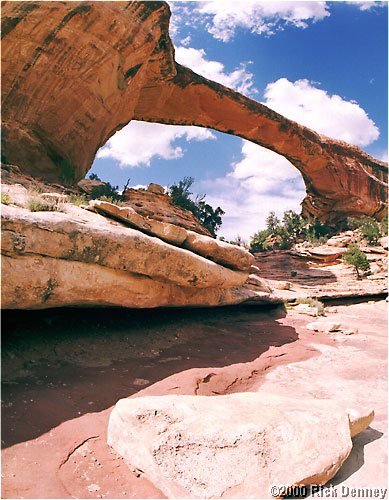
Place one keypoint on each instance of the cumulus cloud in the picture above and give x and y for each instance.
(263, 180)
(367, 5)
(260, 182)
(223, 18)
(240, 79)
(139, 142)
(325, 113)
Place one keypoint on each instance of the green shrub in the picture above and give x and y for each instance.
(78, 199)
(208, 217)
(258, 241)
(5, 199)
(356, 258)
(283, 235)
(111, 199)
(37, 204)
(368, 227)
(107, 190)
(293, 223)
(272, 222)
(384, 226)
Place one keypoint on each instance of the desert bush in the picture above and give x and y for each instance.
(105, 191)
(37, 204)
(384, 226)
(355, 257)
(258, 241)
(78, 199)
(272, 222)
(367, 226)
(283, 235)
(208, 217)
(5, 199)
(311, 303)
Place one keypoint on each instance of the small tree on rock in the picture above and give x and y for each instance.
(272, 222)
(356, 258)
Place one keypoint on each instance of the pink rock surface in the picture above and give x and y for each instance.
(268, 353)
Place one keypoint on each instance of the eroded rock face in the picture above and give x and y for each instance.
(223, 253)
(159, 206)
(234, 446)
(76, 257)
(84, 70)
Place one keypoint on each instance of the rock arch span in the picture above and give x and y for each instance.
(76, 72)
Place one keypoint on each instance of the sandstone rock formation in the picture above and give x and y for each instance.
(234, 446)
(76, 257)
(85, 69)
(300, 274)
(228, 255)
(156, 205)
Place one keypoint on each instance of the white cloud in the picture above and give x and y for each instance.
(139, 142)
(186, 41)
(367, 5)
(260, 182)
(223, 18)
(240, 79)
(263, 180)
(327, 114)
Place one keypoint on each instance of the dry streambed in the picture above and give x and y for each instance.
(71, 380)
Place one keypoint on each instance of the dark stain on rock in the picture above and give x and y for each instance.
(8, 24)
(130, 73)
(51, 284)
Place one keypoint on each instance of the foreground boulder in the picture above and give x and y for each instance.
(234, 446)
(58, 111)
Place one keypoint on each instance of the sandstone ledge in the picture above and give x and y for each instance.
(78, 258)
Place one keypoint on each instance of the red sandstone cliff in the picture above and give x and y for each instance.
(76, 72)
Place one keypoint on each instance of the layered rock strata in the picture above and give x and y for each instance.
(86, 69)
(75, 257)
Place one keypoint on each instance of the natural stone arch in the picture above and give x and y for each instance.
(86, 69)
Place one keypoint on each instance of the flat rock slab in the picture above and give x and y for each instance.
(218, 251)
(234, 446)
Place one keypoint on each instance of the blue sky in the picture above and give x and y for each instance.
(323, 64)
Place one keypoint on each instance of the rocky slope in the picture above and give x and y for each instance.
(116, 256)
(319, 272)
(85, 69)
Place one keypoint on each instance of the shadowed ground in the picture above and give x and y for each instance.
(272, 352)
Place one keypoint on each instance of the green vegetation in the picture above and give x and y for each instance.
(78, 199)
(106, 191)
(384, 226)
(294, 227)
(208, 217)
(5, 199)
(37, 204)
(282, 235)
(368, 227)
(356, 258)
